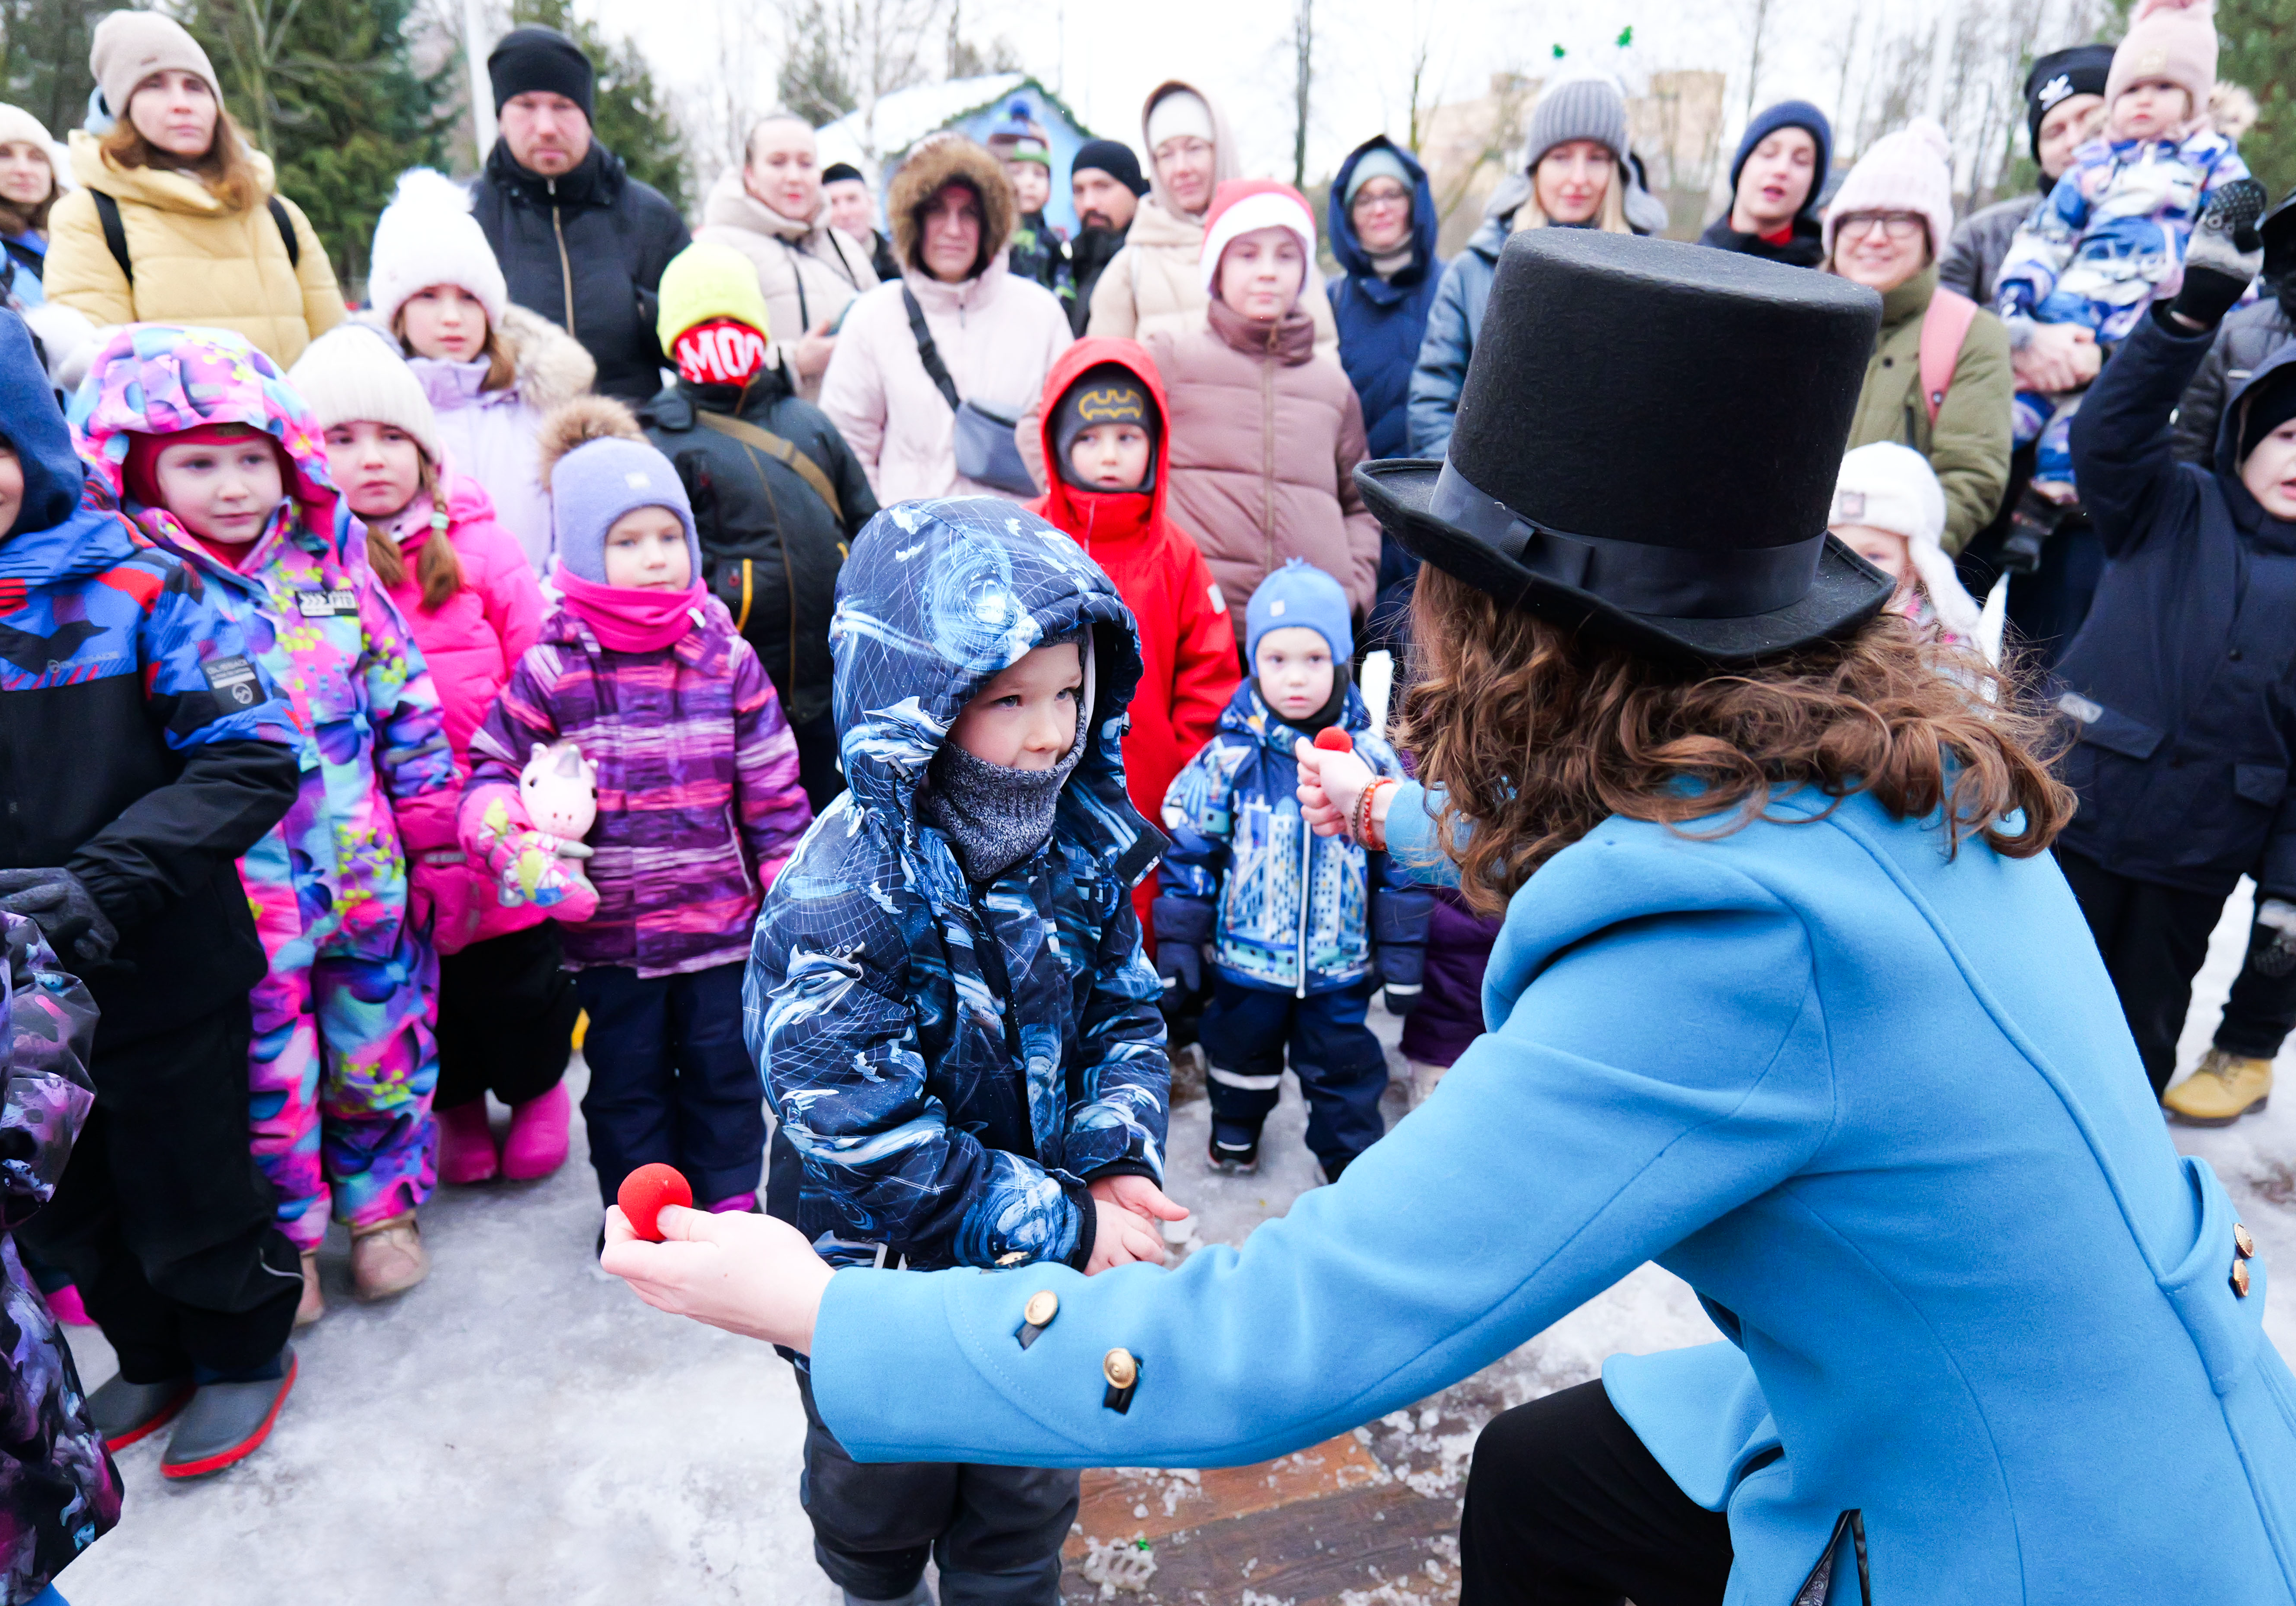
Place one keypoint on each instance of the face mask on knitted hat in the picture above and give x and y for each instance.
(1106, 394)
(719, 352)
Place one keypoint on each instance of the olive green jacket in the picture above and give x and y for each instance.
(1968, 446)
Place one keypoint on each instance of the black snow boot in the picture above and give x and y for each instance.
(226, 1422)
(125, 1412)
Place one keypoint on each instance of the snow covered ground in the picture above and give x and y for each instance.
(522, 1430)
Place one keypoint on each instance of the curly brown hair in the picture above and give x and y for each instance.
(1537, 733)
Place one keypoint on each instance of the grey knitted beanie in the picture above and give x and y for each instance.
(1589, 107)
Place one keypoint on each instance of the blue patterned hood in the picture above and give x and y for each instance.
(952, 1064)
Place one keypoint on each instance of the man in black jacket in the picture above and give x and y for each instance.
(580, 241)
(1105, 184)
(777, 495)
(142, 753)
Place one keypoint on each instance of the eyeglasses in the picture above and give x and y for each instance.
(1897, 225)
(1392, 196)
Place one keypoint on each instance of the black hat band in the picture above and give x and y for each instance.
(1665, 582)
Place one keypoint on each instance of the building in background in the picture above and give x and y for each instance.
(875, 138)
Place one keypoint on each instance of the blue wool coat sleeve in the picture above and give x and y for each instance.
(1669, 1063)
(828, 1014)
(2123, 445)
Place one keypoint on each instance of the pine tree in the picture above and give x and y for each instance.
(328, 90)
(633, 118)
(44, 58)
(2259, 47)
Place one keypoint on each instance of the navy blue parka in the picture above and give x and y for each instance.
(2182, 683)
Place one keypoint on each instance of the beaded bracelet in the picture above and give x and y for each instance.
(1364, 812)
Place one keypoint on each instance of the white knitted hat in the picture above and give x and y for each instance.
(18, 126)
(1910, 171)
(427, 236)
(354, 372)
(1885, 486)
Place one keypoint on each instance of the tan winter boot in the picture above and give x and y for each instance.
(2225, 1088)
(388, 1257)
(314, 1304)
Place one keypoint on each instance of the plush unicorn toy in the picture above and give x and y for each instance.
(559, 789)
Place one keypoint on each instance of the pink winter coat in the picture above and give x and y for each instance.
(470, 643)
(997, 333)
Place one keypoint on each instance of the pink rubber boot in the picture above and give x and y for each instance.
(65, 1306)
(537, 1145)
(466, 1144)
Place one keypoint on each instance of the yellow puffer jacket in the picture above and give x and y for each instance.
(195, 263)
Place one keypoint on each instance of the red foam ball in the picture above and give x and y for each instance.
(644, 1193)
(1332, 739)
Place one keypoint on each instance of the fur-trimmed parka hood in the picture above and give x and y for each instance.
(551, 368)
(940, 160)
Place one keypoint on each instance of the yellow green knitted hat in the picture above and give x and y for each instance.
(709, 281)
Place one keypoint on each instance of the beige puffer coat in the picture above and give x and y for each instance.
(195, 262)
(807, 271)
(1156, 281)
(1263, 455)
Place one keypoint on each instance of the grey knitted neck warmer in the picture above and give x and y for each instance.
(995, 817)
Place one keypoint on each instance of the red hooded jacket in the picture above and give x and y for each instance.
(1187, 644)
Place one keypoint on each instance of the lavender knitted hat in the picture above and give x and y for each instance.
(595, 484)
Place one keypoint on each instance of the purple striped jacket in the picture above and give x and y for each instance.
(698, 798)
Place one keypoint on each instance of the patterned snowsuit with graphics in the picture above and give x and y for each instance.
(343, 1058)
(952, 1065)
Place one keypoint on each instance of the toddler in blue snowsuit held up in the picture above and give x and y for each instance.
(1304, 927)
(959, 1033)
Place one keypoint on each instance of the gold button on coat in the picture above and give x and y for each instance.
(2240, 1278)
(2241, 1240)
(1043, 1306)
(1120, 1369)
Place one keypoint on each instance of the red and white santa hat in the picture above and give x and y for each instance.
(1241, 205)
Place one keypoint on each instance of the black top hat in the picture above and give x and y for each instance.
(1646, 447)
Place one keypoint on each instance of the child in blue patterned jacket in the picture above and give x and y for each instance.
(2113, 233)
(1304, 928)
(959, 1033)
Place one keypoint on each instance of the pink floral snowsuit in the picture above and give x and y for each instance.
(343, 1060)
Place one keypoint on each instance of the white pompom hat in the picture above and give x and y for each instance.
(1885, 486)
(427, 236)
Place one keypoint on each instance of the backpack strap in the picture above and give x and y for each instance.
(1944, 327)
(115, 234)
(278, 211)
(928, 353)
(773, 446)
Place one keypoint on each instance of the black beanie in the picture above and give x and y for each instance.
(2264, 408)
(837, 172)
(1112, 158)
(2057, 76)
(533, 58)
(1106, 393)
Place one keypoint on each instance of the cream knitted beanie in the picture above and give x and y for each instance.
(130, 46)
(2172, 41)
(354, 372)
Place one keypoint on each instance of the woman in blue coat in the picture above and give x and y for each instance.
(1794, 1005)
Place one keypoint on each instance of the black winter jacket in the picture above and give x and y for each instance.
(771, 547)
(2245, 339)
(585, 250)
(2183, 681)
(1973, 256)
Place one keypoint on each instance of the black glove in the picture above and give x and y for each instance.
(1399, 916)
(2225, 254)
(61, 904)
(1183, 926)
(2031, 523)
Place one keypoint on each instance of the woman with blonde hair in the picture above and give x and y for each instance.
(1576, 175)
(176, 220)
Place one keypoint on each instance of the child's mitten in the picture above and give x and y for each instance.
(1400, 918)
(527, 865)
(2225, 254)
(1183, 926)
